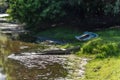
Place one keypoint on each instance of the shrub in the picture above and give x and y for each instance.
(101, 48)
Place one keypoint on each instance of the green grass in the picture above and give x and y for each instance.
(104, 51)
(106, 45)
(106, 62)
(61, 33)
(103, 69)
(3, 39)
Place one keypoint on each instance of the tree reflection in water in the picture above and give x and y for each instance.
(19, 72)
(14, 70)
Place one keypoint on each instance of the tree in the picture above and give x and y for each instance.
(34, 12)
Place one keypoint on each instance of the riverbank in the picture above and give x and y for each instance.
(104, 51)
(24, 55)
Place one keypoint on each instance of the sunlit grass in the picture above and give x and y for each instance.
(106, 56)
(106, 45)
(103, 69)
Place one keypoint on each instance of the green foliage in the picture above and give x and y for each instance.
(116, 8)
(112, 9)
(34, 12)
(100, 48)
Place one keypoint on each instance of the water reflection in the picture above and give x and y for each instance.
(15, 70)
(2, 74)
(20, 72)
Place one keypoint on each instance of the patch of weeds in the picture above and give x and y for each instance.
(100, 48)
(103, 69)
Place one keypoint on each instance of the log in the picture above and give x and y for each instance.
(61, 51)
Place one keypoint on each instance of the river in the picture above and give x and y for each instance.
(17, 64)
(31, 67)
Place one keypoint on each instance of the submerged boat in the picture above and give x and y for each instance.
(86, 36)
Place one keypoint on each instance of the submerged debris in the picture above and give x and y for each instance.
(48, 40)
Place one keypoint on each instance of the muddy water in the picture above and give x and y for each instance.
(20, 72)
(36, 67)
(30, 67)
(15, 70)
(23, 61)
(14, 66)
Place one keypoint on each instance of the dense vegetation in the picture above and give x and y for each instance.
(35, 12)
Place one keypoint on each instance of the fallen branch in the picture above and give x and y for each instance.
(61, 51)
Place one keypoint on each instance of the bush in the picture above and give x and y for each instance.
(101, 48)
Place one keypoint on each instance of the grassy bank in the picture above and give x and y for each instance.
(103, 69)
(106, 45)
(103, 50)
